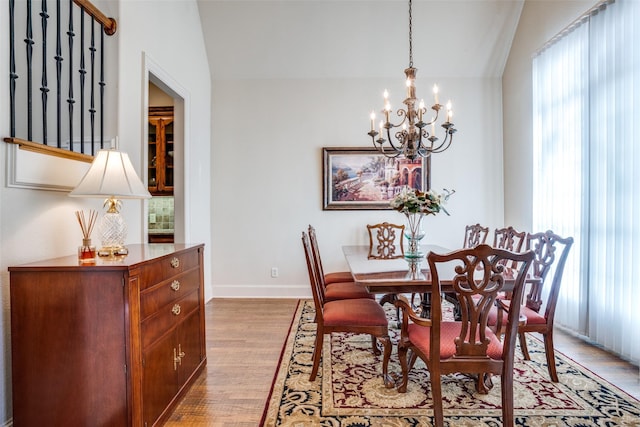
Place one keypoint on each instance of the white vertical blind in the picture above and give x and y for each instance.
(587, 170)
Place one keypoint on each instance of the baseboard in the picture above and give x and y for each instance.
(261, 291)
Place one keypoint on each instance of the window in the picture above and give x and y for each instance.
(587, 169)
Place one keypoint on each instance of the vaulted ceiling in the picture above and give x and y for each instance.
(291, 39)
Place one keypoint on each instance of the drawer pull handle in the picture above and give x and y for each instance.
(175, 262)
(175, 285)
(176, 360)
(177, 357)
(176, 309)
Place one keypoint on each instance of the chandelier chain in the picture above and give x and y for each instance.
(410, 37)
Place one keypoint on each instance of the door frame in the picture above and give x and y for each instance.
(153, 72)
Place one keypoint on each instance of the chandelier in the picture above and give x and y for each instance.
(412, 137)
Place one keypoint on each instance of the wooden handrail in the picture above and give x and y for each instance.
(37, 147)
(110, 25)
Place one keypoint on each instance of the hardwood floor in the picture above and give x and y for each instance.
(244, 340)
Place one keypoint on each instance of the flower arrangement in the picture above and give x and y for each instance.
(412, 201)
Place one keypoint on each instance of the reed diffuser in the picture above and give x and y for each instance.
(86, 252)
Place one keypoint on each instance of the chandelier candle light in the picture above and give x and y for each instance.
(412, 139)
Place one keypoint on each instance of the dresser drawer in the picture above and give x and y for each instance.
(168, 267)
(154, 298)
(168, 317)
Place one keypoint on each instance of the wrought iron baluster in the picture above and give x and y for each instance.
(43, 88)
(92, 108)
(58, 59)
(29, 45)
(12, 69)
(82, 72)
(70, 100)
(102, 84)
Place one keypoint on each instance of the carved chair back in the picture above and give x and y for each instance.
(468, 345)
(386, 240)
(551, 252)
(475, 235)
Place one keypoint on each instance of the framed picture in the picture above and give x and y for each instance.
(365, 179)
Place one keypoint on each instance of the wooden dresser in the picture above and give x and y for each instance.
(113, 344)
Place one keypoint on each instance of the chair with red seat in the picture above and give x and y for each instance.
(358, 316)
(338, 289)
(467, 346)
(475, 235)
(386, 240)
(510, 239)
(333, 277)
(551, 252)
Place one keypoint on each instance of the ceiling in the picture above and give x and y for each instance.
(326, 39)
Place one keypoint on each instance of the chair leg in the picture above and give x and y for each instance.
(317, 351)
(436, 391)
(402, 356)
(412, 360)
(551, 357)
(506, 380)
(386, 342)
(374, 346)
(523, 346)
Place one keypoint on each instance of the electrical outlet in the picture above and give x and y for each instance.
(152, 218)
(274, 271)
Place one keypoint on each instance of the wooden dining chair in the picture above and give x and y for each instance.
(358, 316)
(336, 290)
(509, 238)
(333, 277)
(386, 240)
(475, 235)
(512, 240)
(467, 346)
(551, 252)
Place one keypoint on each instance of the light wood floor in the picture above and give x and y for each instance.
(244, 340)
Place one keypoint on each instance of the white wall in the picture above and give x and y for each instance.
(36, 224)
(292, 77)
(168, 35)
(540, 21)
(267, 173)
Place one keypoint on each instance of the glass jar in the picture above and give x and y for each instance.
(86, 252)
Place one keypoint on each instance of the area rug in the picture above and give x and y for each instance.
(349, 392)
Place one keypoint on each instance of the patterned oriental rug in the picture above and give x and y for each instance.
(349, 392)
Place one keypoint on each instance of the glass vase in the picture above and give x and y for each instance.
(414, 233)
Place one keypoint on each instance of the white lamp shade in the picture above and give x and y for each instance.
(111, 174)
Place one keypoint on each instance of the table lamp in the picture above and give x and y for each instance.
(112, 175)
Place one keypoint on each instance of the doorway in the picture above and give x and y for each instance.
(160, 169)
(164, 155)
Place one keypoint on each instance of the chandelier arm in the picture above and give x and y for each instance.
(402, 113)
(448, 139)
(393, 146)
(386, 153)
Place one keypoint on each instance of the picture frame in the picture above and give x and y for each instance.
(363, 178)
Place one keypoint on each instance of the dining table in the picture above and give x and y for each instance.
(392, 276)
